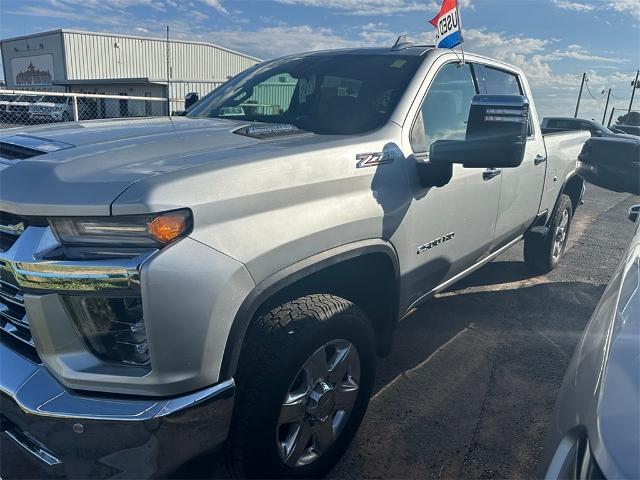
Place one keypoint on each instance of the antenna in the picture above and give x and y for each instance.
(401, 43)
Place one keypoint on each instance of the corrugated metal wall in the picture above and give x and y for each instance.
(180, 88)
(102, 56)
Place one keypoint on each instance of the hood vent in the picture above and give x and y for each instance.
(11, 152)
(21, 147)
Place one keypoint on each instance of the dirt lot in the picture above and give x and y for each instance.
(473, 376)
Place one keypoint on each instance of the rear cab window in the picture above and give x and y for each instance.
(495, 81)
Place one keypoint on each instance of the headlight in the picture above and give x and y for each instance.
(112, 328)
(135, 231)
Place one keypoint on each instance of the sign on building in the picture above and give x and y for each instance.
(29, 71)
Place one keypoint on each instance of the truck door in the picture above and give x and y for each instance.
(451, 227)
(521, 187)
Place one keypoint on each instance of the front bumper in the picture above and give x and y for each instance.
(66, 433)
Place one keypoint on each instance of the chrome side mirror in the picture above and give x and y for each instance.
(634, 213)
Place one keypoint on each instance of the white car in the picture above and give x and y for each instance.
(52, 108)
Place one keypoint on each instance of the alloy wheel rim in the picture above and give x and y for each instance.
(560, 235)
(318, 403)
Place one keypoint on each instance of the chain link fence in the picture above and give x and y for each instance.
(18, 108)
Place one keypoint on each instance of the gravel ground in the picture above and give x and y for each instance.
(469, 387)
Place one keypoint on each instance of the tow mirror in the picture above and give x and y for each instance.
(496, 134)
(611, 163)
(190, 99)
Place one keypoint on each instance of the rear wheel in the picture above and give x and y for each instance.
(542, 253)
(304, 380)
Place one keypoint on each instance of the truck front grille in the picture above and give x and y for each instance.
(13, 317)
(11, 227)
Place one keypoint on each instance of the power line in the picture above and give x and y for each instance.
(591, 94)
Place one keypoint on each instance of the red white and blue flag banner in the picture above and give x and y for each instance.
(447, 24)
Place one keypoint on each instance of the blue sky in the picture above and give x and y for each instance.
(555, 41)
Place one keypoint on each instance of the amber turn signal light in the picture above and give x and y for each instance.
(168, 227)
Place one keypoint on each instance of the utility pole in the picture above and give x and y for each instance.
(613, 109)
(584, 78)
(604, 115)
(633, 90)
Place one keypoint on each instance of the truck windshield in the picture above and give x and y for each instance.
(337, 94)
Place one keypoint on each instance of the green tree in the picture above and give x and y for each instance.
(632, 118)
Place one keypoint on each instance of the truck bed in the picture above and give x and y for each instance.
(562, 150)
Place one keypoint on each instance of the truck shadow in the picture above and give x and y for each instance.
(555, 312)
(494, 273)
(469, 387)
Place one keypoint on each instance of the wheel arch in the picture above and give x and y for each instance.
(573, 187)
(366, 273)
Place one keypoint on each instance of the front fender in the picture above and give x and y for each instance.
(279, 281)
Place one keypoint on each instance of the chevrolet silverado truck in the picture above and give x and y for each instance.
(226, 280)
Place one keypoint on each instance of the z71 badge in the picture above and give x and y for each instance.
(435, 243)
(373, 159)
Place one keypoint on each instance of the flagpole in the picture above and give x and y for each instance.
(460, 27)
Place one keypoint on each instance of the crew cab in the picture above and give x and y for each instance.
(228, 278)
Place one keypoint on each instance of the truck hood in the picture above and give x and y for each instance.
(81, 168)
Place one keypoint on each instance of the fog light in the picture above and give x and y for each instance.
(113, 328)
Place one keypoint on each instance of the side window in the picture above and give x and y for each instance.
(445, 109)
(498, 82)
(493, 81)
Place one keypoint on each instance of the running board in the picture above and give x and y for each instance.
(461, 275)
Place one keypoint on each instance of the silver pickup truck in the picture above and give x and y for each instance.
(229, 277)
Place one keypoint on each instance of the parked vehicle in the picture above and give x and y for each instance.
(4, 101)
(602, 161)
(628, 129)
(595, 427)
(566, 124)
(52, 108)
(175, 285)
(17, 109)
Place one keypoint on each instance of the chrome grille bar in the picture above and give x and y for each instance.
(13, 317)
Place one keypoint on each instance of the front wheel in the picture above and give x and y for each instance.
(304, 380)
(543, 252)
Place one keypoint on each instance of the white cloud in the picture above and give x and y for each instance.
(372, 7)
(631, 7)
(215, 4)
(576, 52)
(626, 6)
(575, 6)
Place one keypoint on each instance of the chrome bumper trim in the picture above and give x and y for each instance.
(30, 272)
(34, 447)
(38, 393)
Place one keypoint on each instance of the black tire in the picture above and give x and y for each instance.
(65, 116)
(542, 252)
(276, 347)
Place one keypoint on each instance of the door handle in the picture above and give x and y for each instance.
(539, 159)
(490, 173)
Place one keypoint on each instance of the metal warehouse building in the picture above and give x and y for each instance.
(85, 62)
